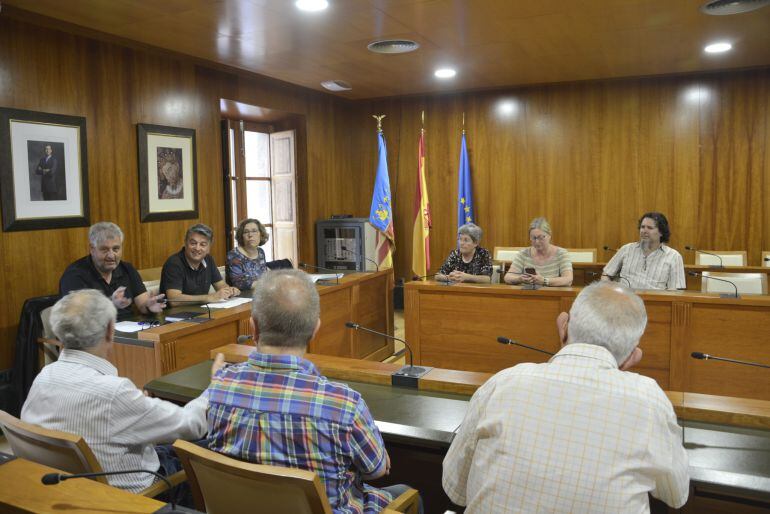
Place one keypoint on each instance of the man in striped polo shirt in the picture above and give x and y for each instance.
(277, 409)
(649, 263)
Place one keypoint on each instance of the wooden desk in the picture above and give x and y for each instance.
(366, 298)
(456, 327)
(418, 426)
(586, 272)
(22, 491)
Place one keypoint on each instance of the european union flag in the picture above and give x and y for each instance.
(464, 189)
(380, 215)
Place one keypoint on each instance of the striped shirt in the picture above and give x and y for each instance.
(575, 434)
(279, 410)
(557, 266)
(661, 269)
(83, 394)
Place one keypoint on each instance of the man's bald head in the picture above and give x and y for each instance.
(608, 315)
(286, 309)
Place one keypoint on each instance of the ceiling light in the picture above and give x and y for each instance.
(726, 7)
(445, 73)
(336, 85)
(311, 5)
(393, 46)
(717, 48)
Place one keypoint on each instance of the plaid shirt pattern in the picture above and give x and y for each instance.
(279, 410)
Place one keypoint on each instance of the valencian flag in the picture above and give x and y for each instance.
(464, 189)
(422, 221)
(381, 214)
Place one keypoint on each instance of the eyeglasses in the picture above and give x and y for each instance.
(538, 238)
(149, 324)
(249, 232)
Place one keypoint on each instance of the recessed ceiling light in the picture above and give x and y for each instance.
(311, 5)
(336, 85)
(717, 48)
(445, 73)
(393, 46)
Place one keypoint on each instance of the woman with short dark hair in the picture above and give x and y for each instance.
(246, 262)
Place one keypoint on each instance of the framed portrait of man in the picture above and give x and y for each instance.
(43, 170)
(168, 180)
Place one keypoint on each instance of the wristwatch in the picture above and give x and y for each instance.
(545, 281)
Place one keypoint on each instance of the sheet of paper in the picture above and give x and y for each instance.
(232, 302)
(131, 326)
(331, 277)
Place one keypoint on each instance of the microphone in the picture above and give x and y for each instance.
(721, 295)
(767, 259)
(619, 277)
(721, 263)
(245, 339)
(304, 265)
(706, 356)
(407, 376)
(357, 255)
(608, 249)
(505, 340)
(55, 478)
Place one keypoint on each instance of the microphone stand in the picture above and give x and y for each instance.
(55, 478)
(714, 266)
(505, 340)
(608, 249)
(357, 255)
(721, 295)
(335, 271)
(407, 376)
(706, 356)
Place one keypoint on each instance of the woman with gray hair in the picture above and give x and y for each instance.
(468, 262)
(542, 264)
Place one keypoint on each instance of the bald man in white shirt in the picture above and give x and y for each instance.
(81, 393)
(575, 434)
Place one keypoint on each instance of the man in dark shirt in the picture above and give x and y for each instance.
(189, 274)
(102, 269)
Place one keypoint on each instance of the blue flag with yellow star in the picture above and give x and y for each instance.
(464, 189)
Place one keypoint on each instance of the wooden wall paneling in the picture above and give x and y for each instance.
(115, 87)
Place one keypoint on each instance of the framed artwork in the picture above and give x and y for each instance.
(43, 170)
(168, 173)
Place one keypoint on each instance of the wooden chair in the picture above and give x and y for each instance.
(506, 253)
(729, 258)
(765, 259)
(221, 484)
(581, 254)
(62, 450)
(747, 283)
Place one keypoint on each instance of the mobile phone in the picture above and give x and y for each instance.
(530, 271)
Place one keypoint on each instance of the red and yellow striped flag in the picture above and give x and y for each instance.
(422, 221)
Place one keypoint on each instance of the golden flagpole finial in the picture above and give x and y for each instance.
(422, 115)
(463, 122)
(379, 121)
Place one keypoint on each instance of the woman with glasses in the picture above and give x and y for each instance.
(542, 264)
(246, 262)
(468, 262)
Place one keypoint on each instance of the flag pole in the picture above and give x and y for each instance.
(379, 121)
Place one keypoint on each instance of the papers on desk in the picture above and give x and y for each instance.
(232, 302)
(131, 326)
(332, 277)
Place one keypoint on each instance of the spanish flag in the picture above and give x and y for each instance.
(422, 221)
(381, 213)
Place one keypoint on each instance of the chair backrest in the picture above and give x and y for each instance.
(747, 283)
(60, 450)
(729, 258)
(45, 317)
(581, 254)
(765, 259)
(279, 264)
(221, 484)
(496, 273)
(150, 274)
(506, 253)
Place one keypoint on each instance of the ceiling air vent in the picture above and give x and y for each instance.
(725, 7)
(393, 46)
(336, 85)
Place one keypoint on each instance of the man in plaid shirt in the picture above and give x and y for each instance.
(277, 409)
